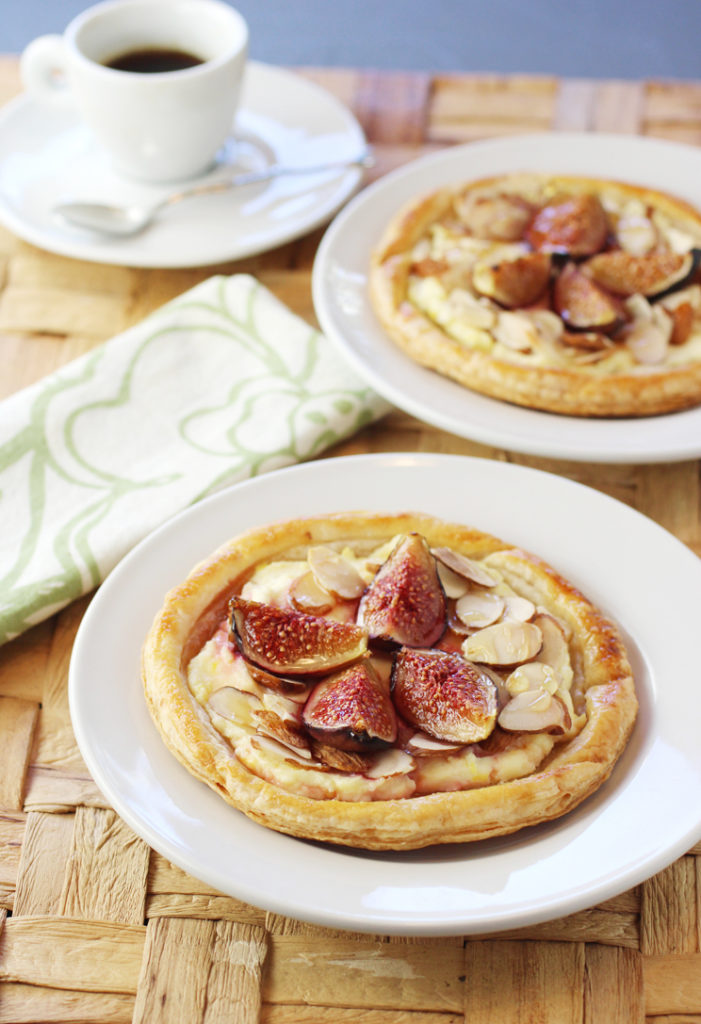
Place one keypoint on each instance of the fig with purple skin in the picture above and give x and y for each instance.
(444, 695)
(405, 604)
(654, 274)
(351, 710)
(583, 304)
(292, 643)
(575, 225)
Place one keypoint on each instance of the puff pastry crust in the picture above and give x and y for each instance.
(438, 793)
(433, 284)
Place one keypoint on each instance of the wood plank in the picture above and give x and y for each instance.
(27, 1004)
(107, 870)
(672, 983)
(595, 925)
(18, 719)
(223, 908)
(90, 956)
(23, 661)
(614, 986)
(364, 974)
(12, 828)
(520, 982)
(45, 851)
(61, 789)
(200, 971)
(272, 1014)
(668, 913)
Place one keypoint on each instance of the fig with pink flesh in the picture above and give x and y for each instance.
(575, 225)
(583, 305)
(654, 274)
(444, 695)
(351, 710)
(287, 642)
(405, 604)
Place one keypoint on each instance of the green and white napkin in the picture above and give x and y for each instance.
(221, 384)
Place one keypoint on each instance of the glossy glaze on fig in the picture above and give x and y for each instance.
(351, 710)
(576, 225)
(405, 603)
(292, 643)
(444, 695)
(653, 275)
(583, 305)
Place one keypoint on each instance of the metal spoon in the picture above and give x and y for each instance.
(129, 220)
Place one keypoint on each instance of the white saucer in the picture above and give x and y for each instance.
(46, 154)
(340, 282)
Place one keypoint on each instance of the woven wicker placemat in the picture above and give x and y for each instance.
(94, 925)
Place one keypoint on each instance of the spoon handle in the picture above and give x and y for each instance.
(365, 159)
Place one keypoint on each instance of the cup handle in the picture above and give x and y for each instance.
(44, 69)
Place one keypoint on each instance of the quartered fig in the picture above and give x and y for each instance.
(583, 305)
(654, 274)
(444, 695)
(405, 603)
(576, 225)
(511, 283)
(292, 643)
(351, 710)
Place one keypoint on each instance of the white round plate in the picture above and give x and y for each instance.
(47, 154)
(340, 291)
(642, 819)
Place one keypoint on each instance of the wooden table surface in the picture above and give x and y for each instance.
(94, 925)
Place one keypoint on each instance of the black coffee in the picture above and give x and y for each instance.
(153, 61)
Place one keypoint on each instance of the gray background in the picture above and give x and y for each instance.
(599, 38)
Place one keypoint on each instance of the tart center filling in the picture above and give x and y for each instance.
(550, 273)
(401, 672)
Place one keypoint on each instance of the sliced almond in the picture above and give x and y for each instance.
(274, 748)
(454, 586)
(294, 689)
(288, 733)
(464, 566)
(234, 705)
(505, 643)
(478, 609)
(534, 711)
(343, 760)
(519, 608)
(534, 675)
(555, 650)
(422, 744)
(648, 341)
(308, 596)
(390, 762)
(284, 707)
(636, 234)
(335, 573)
(515, 332)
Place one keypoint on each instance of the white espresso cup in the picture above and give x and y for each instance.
(155, 125)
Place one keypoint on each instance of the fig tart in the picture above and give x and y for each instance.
(388, 681)
(560, 293)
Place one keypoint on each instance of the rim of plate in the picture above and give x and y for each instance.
(240, 505)
(437, 400)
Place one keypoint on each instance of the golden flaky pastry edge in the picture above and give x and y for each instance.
(569, 775)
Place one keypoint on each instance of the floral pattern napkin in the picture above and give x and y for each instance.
(221, 384)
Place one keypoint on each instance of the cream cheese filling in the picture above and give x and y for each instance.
(239, 707)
